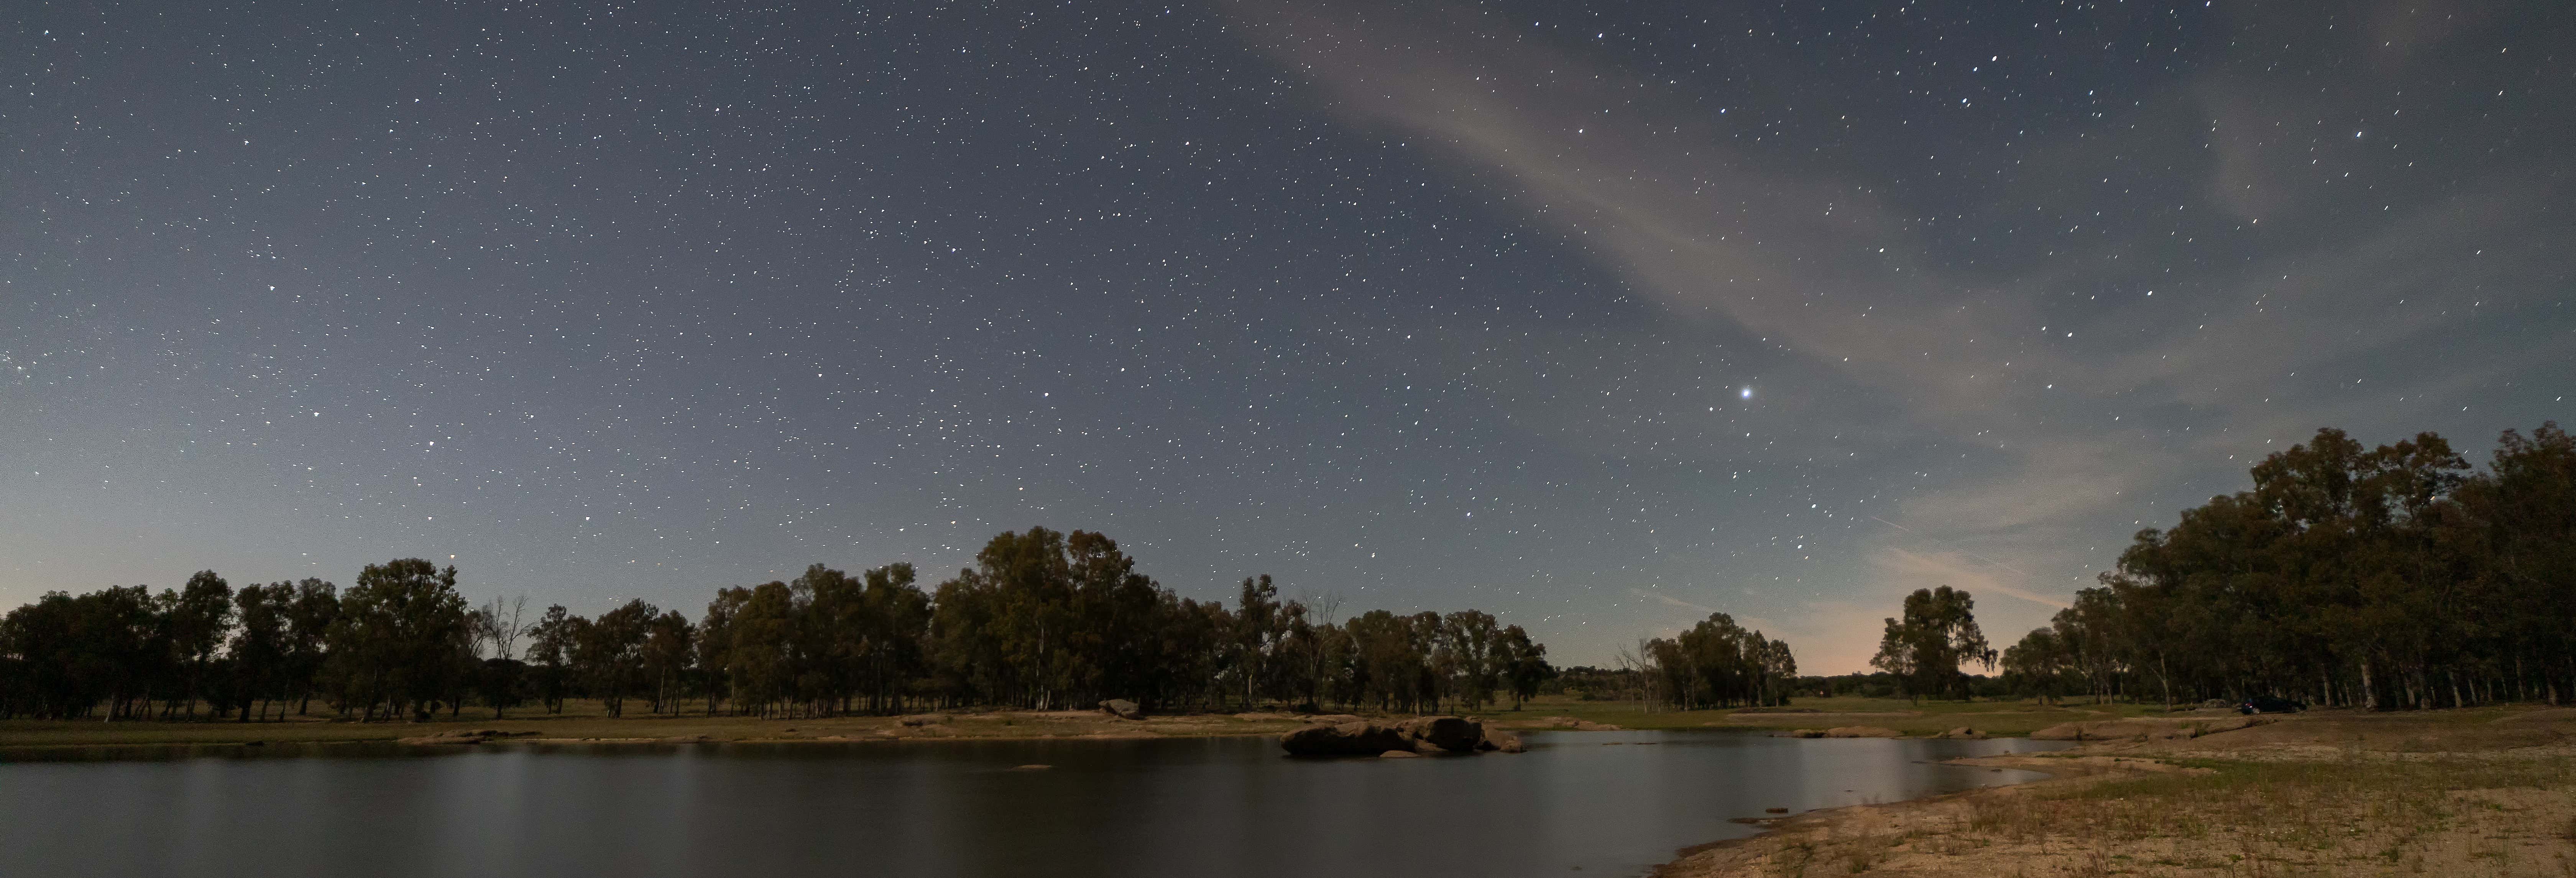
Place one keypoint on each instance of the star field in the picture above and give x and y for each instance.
(1597, 318)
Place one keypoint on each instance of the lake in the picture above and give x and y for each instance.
(1588, 803)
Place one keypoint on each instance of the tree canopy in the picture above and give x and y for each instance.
(1042, 620)
(2379, 577)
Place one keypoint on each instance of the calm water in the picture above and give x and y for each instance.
(1175, 807)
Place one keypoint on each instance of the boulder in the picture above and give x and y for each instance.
(1399, 754)
(1454, 734)
(1122, 709)
(1425, 735)
(1354, 738)
(1965, 733)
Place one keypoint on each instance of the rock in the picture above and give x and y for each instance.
(1122, 709)
(1500, 741)
(1964, 733)
(1454, 734)
(1399, 754)
(1354, 738)
(920, 719)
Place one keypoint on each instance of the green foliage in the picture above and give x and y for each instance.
(1718, 663)
(1043, 620)
(1925, 648)
(2386, 577)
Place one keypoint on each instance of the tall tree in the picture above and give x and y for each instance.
(1937, 633)
(400, 631)
(199, 615)
(259, 647)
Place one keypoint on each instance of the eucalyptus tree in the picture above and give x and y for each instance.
(550, 651)
(399, 633)
(667, 658)
(197, 618)
(1718, 663)
(259, 645)
(308, 624)
(1937, 634)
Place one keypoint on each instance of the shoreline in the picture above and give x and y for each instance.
(2488, 791)
(21, 739)
(2053, 767)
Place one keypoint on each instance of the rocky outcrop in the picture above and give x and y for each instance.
(460, 736)
(1963, 733)
(1450, 733)
(1420, 735)
(1354, 738)
(1122, 709)
(1399, 754)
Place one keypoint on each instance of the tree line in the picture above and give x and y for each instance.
(1043, 620)
(1716, 663)
(2387, 577)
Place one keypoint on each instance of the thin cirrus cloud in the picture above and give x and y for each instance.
(2137, 398)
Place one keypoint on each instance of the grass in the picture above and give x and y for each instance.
(2005, 718)
(587, 720)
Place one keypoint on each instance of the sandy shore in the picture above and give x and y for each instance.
(2470, 792)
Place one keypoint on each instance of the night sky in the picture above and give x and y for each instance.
(1597, 318)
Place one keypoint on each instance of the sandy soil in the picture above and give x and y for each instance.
(2471, 792)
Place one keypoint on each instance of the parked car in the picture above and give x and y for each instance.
(2269, 704)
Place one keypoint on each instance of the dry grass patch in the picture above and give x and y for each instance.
(2362, 815)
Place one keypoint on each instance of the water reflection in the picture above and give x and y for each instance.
(1608, 803)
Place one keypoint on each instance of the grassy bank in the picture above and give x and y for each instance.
(1923, 718)
(587, 720)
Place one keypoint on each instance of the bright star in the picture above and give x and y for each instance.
(1748, 393)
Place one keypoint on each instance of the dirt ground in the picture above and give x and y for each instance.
(2486, 792)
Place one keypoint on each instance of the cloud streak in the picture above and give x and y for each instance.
(2110, 403)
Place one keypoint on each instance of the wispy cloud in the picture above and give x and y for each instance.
(2195, 358)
